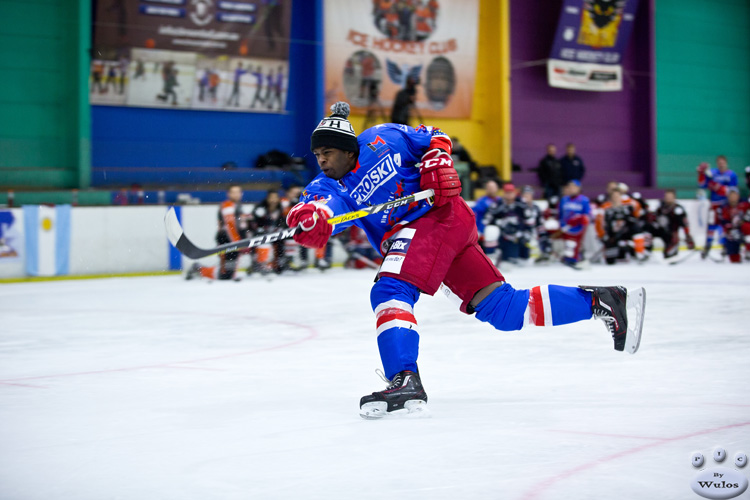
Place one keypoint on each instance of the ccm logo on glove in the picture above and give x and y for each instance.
(438, 174)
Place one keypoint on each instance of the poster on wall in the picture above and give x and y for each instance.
(373, 47)
(590, 43)
(183, 54)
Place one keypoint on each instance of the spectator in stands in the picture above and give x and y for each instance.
(550, 173)
(572, 165)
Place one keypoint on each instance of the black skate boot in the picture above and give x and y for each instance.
(610, 304)
(404, 392)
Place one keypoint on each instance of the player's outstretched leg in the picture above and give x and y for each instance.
(404, 392)
(508, 309)
(611, 304)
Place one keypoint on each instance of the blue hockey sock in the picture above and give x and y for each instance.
(398, 341)
(505, 308)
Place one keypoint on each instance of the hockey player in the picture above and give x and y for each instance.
(268, 217)
(734, 218)
(575, 215)
(717, 181)
(483, 204)
(616, 227)
(666, 223)
(533, 226)
(504, 226)
(232, 227)
(427, 243)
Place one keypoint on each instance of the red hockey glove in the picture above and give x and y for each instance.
(312, 218)
(439, 175)
(578, 220)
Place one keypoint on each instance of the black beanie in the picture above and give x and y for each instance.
(335, 131)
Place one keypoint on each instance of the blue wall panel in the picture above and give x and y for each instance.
(165, 139)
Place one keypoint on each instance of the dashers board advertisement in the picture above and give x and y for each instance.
(590, 43)
(373, 47)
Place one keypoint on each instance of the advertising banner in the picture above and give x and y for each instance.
(589, 44)
(373, 47)
(230, 55)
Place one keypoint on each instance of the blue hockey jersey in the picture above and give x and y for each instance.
(386, 170)
(728, 179)
(571, 211)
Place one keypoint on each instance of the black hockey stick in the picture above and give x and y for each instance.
(680, 258)
(186, 247)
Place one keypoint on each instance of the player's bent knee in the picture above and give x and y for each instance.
(388, 288)
(504, 308)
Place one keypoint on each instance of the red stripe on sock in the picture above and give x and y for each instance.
(387, 315)
(536, 307)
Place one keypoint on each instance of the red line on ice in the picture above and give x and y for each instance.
(549, 482)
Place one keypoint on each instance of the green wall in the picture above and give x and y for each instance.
(44, 111)
(703, 87)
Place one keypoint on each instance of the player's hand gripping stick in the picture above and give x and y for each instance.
(312, 219)
(438, 174)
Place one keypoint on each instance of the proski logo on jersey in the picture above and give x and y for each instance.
(375, 177)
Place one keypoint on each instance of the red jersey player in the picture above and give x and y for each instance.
(734, 218)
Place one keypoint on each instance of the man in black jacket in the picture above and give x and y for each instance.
(573, 168)
(550, 173)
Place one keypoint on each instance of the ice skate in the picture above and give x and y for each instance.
(404, 395)
(622, 312)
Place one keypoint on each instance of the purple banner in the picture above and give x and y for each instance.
(589, 44)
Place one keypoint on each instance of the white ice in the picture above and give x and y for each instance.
(158, 388)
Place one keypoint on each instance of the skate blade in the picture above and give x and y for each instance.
(379, 409)
(636, 303)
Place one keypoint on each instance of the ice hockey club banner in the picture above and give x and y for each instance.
(228, 55)
(589, 44)
(373, 46)
(47, 231)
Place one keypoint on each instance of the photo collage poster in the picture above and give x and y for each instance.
(222, 55)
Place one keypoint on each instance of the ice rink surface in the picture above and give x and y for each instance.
(158, 388)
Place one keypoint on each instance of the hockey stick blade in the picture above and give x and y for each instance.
(678, 259)
(186, 247)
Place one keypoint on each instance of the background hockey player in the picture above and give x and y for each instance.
(616, 228)
(533, 226)
(483, 204)
(427, 243)
(575, 216)
(734, 218)
(504, 227)
(717, 181)
(268, 217)
(233, 226)
(665, 223)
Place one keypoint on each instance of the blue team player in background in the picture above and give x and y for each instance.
(425, 244)
(575, 217)
(717, 180)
